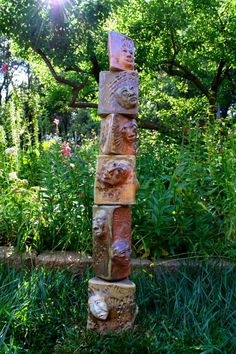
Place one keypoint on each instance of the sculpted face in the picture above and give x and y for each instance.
(121, 51)
(126, 57)
(121, 253)
(98, 307)
(127, 96)
(129, 131)
(99, 223)
(115, 174)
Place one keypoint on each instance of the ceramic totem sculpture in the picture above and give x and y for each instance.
(111, 303)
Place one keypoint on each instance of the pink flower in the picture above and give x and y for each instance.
(4, 68)
(65, 149)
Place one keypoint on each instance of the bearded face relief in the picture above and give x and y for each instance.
(118, 135)
(118, 93)
(121, 52)
(124, 136)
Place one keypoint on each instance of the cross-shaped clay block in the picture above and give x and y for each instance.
(111, 242)
(118, 93)
(115, 180)
(111, 305)
(121, 52)
(118, 135)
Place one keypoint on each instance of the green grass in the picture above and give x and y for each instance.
(192, 310)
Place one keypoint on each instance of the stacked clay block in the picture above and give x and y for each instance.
(111, 295)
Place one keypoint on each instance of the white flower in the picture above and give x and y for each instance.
(10, 151)
(13, 175)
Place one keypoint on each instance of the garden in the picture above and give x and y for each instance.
(51, 54)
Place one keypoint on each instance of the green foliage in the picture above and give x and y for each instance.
(49, 205)
(184, 52)
(186, 62)
(186, 202)
(186, 47)
(66, 32)
(84, 125)
(185, 310)
(37, 307)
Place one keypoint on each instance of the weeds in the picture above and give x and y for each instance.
(185, 205)
(189, 310)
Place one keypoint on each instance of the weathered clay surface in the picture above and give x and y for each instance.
(115, 180)
(111, 305)
(121, 52)
(118, 135)
(118, 93)
(111, 242)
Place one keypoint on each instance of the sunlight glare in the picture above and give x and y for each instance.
(57, 1)
(54, 2)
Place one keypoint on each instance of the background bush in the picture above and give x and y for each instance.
(186, 202)
(49, 205)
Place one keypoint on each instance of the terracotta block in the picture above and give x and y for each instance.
(111, 242)
(111, 305)
(118, 135)
(115, 180)
(121, 52)
(118, 93)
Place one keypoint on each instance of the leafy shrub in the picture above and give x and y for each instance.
(50, 205)
(186, 202)
(185, 205)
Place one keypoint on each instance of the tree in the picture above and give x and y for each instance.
(185, 51)
(13, 72)
(63, 34)
(193, 41)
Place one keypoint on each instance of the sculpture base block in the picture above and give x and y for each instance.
(112, 305)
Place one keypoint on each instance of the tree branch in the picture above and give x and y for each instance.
(154, 125)
(219, 77)
(160, 127)
(142, 124)
(83, 105)
(95, 67)
(58, 78)
(185, 73)
(76, 69)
